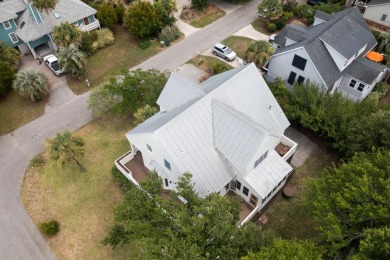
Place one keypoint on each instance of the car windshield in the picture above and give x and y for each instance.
(55, 65)
(227, 50)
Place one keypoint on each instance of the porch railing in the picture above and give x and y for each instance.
(290, 143)
(91, 26)
(120, 164)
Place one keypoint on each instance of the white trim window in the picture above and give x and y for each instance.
(8, 25)
(13, 37)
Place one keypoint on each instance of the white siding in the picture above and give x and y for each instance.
(337, 57)
(374, 13)
(280, 66)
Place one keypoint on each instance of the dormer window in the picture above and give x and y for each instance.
(258, 161)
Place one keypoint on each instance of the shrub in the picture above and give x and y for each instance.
(105, 37)
(120, 12)
(280, 24)
(199, 4)
(286, 16)
(7, 75)
(271, 27)
(107, 15)
(121, 180)
(381, 88)
(144, 44)
(37, 161)
(169, 33)
(87, 42)
(218, 67)
(49, 228)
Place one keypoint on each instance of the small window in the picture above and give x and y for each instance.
(300, 79)
(245, 191)
(166, 182)
(238, 185)
(149, 147)
(299, 62)
(22, 25)
(352, 83)
(7, 25)
(383, 18)
(261, 159)
(227, 186)
(167, 164)
(361, 87)
(291, 78)
(13, 37)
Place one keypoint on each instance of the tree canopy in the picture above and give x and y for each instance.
(32, 84)
(7, 75)
(127, 92)
(270, 9)
(142, 19)
(73, 60)
(9, 55)
(144, 113)
(347, 200)
(166, 229)
(259, 52)
(107, 15)
(66, 34)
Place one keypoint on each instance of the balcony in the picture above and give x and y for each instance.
(89, 27)
(131, 165)
(286, 148)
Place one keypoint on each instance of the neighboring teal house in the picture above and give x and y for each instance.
(24, 27)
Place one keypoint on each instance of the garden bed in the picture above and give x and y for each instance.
(200, 19)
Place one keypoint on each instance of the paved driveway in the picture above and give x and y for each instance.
(19, 238)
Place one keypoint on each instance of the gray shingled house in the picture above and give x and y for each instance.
(24, 27)
(377, 13)
(331, 52)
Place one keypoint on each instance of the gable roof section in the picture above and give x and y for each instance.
(187, 135)
(178, 91)
(9, 9)
(69, 10)
(364, 70)
(343, 24)
(323, 16)
(236, 136)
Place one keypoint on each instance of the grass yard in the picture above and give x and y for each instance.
(288, 217)
(205, 63)
(124, 53)
(16, 111)
(200, 19)
(208, 19)
(261, 26)
(82, 202)
(238, 44)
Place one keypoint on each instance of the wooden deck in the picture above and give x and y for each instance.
(137, 167)
(282, 149)
(246, 209)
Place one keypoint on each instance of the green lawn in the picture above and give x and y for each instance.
(82, 202)
(208, 19)
(261, 26)
(289, 217)
(16, 111)
(238, 44)
(205, 63)
(124, 53)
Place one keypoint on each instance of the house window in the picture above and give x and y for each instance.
(253, 200)
(291, 78)
(300, 79)
(227, 186)
(238, 185)
(383, 18)
(13, 37)
(166, 182)
(352, 83)
(299, 62)
(149, 147)
(245, 191)
(167, 164)
(361, 87)
(261, 159)
(7, 25)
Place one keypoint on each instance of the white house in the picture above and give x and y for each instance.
(331, 53)
(223, 131)
(377, 13)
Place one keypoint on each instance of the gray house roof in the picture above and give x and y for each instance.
(323, 16)
(364, 69)
(9, 9)
(346, 32)
(68, 10)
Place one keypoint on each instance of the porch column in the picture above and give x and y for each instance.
(32, 51)
(52, 44)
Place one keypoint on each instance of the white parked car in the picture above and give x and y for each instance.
(52, 62)
(272, 37)
(224, 52)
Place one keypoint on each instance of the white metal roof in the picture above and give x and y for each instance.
(188, 136)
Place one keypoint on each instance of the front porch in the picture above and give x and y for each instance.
(91, 26)
(286, 148)
(132, 166)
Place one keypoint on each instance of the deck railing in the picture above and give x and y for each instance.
(120, 164)
(91, 26)
(290, 143)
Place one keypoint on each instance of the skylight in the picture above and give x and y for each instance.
(57, 15)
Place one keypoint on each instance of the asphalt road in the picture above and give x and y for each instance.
(19, 238)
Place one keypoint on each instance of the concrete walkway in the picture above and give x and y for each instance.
(305, 146)
(252, 33)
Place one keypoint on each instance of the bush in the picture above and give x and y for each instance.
(286, 16)
(381, 88)
(107, 15)
(49, 228)
(37, 161)
(218, 67)
(144, 44)
(169, 33)
(87, 42)
(271, 27)
(121, 180)
(199, 4)
(105, 37)
(280, 24)
(7, 75)
(120, 12)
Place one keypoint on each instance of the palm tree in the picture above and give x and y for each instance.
(73, 60)
(66, 34)
(65, 148)
(45, 5)
(31, 84)
(259, 52)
